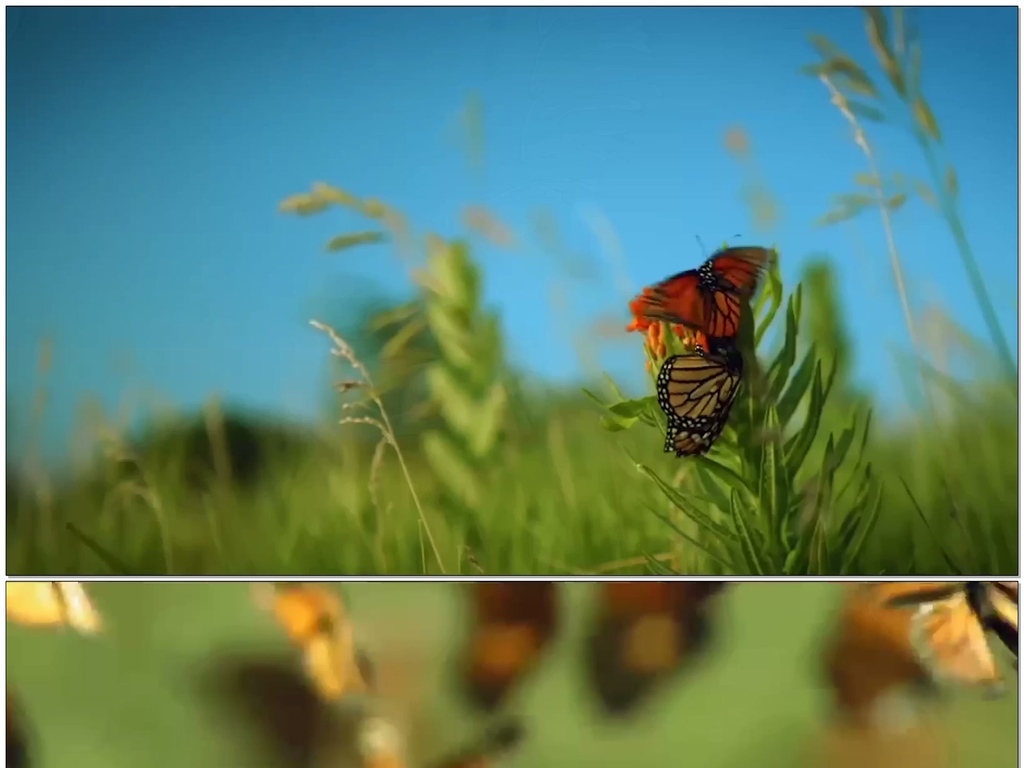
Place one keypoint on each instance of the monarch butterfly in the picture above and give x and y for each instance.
(881, 647)
(642, 633)
(315, 620)
(709, 298)
(645, 632)
(696, 391)
(52, 604)
(513, 624)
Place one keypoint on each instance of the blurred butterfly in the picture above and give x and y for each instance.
(709, 298)
(512, 625)
(315, 620)
(52, 604)
(869, 661)
(643, 634)
(948, 629)
(696, 391)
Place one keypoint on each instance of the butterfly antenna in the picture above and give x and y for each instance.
(703, 250)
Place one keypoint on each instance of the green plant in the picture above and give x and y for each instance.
(463, 381)
(760, 504)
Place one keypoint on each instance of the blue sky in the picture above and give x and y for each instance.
(148, 149)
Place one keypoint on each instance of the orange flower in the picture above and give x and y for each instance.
(653, 331)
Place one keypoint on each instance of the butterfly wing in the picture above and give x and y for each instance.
(677, 299)
(513, 625)
(314, 619)
(696, 391)
(949, 640)
(738, 270)
(644, 633)
(51, 604)
(1001, 612)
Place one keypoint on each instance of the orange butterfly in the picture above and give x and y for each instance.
(52, 604)
(316, 621)
(512, 625)
(893, 636)
(643, 633)
(707, 299)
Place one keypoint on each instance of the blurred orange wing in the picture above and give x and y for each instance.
(52, 604)
(645, 632)
(740, 268)
(512, 625)
(677, 299)
(949, 639)
(314, 619)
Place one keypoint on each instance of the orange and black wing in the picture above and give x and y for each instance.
(644, 633)
(947, 632)
(513, 624)
(738, 270)
(727, 280)
(696, 391)
(677, 299)
(997, 603)
(315, 620)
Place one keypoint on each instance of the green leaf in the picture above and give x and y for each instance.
(867, 180)
(925, 193)
(778, 373)
(344, 242)
(774, 288)
(878, 36)
(773, 493)
(677, 500)
(723, 473)
(747, 544)
(617, 423)
(453, 471)
(696, 543)
(826, 48)
(952, 183)
(866, 111)
(798, 385)
(800, 444)
(303, 205)
(896, 202)
(925, 118)
(632, 408)
(483, 432)
(867, 518)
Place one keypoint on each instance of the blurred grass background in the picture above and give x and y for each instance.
(134, 696)
(464, 465)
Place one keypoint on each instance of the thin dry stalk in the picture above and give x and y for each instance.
(383, 425)
(861, 140)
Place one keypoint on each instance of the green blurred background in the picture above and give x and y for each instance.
(135, 697)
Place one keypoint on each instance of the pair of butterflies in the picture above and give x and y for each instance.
(895, 636)
(643, 633)
(315, 620)
(697, 390)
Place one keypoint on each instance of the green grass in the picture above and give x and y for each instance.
(134, 696)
